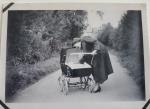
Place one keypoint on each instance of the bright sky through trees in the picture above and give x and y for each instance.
(112, 16)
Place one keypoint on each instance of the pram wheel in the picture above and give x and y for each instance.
(63, 84)
(60, 86)
(84, 82)
(91, 84)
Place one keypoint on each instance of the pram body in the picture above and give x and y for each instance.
(72, 68)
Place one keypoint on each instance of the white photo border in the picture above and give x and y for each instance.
(73, 6)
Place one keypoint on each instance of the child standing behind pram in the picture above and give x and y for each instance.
(101, 62)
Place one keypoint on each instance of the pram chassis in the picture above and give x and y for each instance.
(85, 81)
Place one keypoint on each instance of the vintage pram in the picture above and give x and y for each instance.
(72, 68)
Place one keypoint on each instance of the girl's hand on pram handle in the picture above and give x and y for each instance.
(85, 53)
(94, 52)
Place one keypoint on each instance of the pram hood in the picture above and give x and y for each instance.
(73, 57)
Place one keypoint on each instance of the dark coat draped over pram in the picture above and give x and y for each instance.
(101, 62)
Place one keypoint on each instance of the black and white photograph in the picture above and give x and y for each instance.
(94, 55)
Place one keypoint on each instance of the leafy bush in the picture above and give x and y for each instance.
(23, 75)
(34, 35)
(127, 39)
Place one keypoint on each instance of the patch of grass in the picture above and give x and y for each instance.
(136, 67)
(21, 76)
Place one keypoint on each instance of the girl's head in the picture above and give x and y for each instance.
(87, 43)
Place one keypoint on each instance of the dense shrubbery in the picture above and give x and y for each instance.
(127, 40)
(35, 36)
(21, 76)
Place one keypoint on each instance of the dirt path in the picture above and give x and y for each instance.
(118, 87)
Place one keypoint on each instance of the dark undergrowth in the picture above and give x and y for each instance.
(22, 76)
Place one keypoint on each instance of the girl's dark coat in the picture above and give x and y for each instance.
(101, 63)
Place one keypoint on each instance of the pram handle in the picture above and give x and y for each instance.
(83, 53)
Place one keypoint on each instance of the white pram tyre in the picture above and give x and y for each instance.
(65, 86)
(90, 84)
(60, 84)
(84, 82)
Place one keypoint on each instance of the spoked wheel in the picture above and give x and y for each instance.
(84, 82)
(65, 88)
(60, 84)
(63, 84)
(90, 84)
